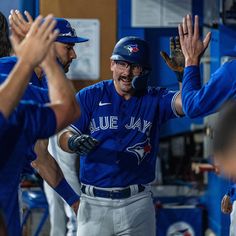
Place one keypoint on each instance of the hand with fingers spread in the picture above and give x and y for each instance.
(192, 46)
(37, 42)
(17, 23)
(176, 59)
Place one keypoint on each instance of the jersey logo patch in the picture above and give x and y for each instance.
(104, 103)
(132, 48)
(141, 150)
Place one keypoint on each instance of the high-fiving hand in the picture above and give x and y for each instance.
(192, 46)
(33, 49)
(17, 23)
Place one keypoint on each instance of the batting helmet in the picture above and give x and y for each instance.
(133, 50)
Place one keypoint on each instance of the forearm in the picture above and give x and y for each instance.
(192, 93)
(13, 88)
(46, 164)
(62, 95)
(50, 171)
(63, 141)
(203, 100)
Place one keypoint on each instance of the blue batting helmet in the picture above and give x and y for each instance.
(133, 50)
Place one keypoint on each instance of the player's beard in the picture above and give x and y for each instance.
(125, 83)
(65, 64)
(66, 67)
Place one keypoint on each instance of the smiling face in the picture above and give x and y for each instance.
(65, 54)
(123, 74)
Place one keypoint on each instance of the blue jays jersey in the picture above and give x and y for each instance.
(23, 148)
(26, 124)
(37, 89)
(127, 131)
(232, 191)
(3, 123)
(203, 100)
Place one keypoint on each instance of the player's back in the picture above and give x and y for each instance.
(26, 124)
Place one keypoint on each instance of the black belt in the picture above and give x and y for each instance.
(113, 194)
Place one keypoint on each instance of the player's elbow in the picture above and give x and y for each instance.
(190, 113)
(190, 109)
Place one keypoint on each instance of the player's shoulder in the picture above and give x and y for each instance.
(7, 63)
(230, 65)
(96, 88)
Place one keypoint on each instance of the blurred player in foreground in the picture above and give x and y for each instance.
(31, 121)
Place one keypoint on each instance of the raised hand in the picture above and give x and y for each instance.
(37, 42)
(176, 59)
(192, 45)
(17, 22)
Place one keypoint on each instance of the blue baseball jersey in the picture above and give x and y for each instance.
(127, 131)
(232, 191)
(36, 91)
(27, 123)
(23, 148)
(203, 100)
(3, 123)
(37, 88)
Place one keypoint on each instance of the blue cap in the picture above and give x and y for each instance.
(67, 33)
(230, 53)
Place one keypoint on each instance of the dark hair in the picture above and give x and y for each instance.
(3, 227)
(225, 128)
(5, 44)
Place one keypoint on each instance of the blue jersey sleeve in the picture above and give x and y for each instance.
(232, 191)
(166, 105)
(82, 124)
(203, 100)
(38, 121)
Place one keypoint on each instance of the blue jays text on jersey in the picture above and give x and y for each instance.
(203, 100)
(127, 131)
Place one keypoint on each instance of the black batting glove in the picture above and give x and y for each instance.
(82, 144)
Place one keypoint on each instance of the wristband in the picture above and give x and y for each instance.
(66, 192)
(71, 143)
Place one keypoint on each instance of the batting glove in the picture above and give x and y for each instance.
(82, 144)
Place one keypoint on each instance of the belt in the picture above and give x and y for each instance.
(113, 194)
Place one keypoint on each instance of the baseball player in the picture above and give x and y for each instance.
(228, 206)
(31, 121)
(59, 210)
(203, 100)
(117, 140)
(224, 140)
(224, 155)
